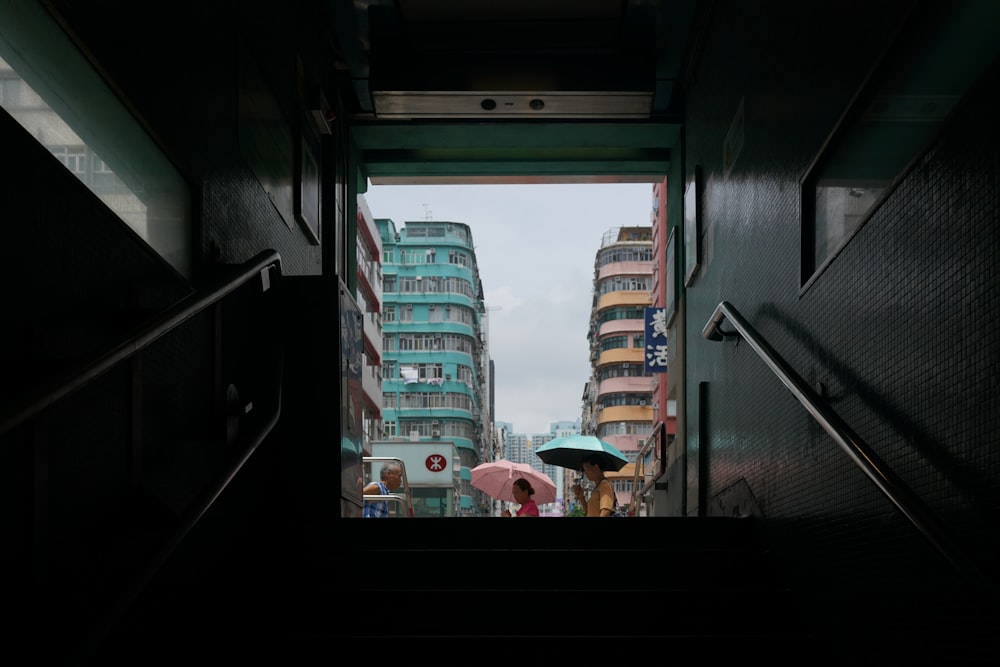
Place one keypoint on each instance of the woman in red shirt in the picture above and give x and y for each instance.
(522, 495)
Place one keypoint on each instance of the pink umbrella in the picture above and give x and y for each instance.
(497, 479)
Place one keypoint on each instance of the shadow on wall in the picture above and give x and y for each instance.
(736, 500)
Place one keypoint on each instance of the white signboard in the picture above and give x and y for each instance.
(427, 463)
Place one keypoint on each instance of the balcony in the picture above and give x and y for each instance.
(624, 298)
(640, 384)
(372, 328)
(626, 413)
(371, 386)
(633, 355)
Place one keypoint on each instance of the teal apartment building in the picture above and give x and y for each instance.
(435, 363)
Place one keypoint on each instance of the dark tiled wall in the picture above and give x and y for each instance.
(75, 276)
(899, 329)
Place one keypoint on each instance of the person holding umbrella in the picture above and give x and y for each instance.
(602, 499)
(522, 495)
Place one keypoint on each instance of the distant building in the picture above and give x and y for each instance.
(517, 448)
(561, 476)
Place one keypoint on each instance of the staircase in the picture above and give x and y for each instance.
(416, 590)
(676, 590)
(701, 586)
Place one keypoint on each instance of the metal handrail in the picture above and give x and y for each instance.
(639, 495)
(188, 520)
(863, 456)
(395, 498)
(171, 318)
(260, 265)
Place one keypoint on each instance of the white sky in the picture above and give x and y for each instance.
(535, 246)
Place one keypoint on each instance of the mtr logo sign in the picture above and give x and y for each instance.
(436, 463)
(429, 464)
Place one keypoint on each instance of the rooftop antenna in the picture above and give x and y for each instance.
(427, 212)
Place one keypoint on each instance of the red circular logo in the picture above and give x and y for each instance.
(436, 463)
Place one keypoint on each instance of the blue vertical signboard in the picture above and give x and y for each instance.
(656, 339)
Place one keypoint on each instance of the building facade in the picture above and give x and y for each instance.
(435, 355)
(655, 458)
(369, 298)
(618, 398)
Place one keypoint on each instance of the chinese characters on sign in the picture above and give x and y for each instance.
(656, 340)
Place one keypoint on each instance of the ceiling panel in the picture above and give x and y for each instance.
(454, 89)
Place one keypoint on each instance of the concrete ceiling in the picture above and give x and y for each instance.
(514, 91)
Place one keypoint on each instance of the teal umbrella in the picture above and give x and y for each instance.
(571, 450)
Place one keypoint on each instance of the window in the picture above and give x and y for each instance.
(614, 343)
(73, 158)
(50, 89)
(935, 60)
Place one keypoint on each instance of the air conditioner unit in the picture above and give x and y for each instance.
(642, 402)
(625, 365)
(436, 433)
(435, 423)
(430, 307)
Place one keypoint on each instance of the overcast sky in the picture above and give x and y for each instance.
(535, 246)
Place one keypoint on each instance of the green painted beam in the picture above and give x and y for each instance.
(491, 134)
(376, 170)
(394, 151)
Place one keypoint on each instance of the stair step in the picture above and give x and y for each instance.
(556, 569)
(490, 612)
(567, 533)
(306, 648)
